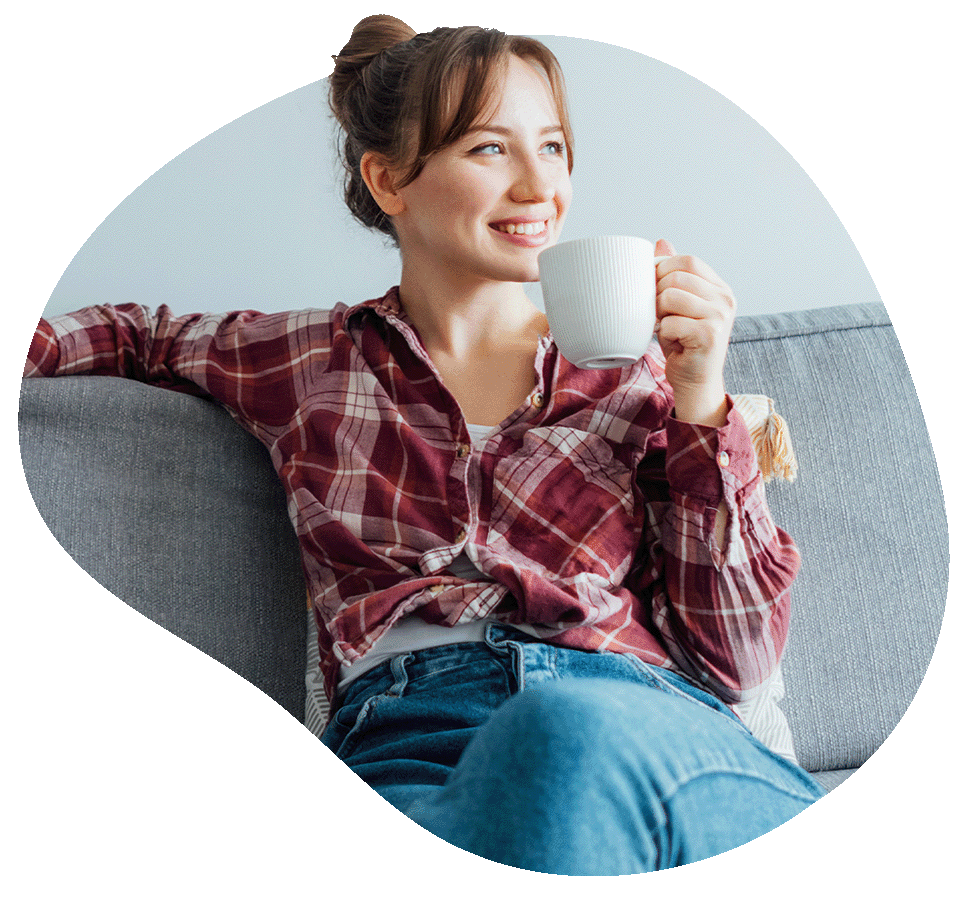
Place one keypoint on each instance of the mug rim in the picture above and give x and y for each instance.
(598, 239)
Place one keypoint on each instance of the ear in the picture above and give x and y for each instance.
(380, 179)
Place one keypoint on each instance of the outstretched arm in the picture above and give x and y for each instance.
(257, 365)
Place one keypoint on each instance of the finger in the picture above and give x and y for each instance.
(687, 333)
(677, 302)
(687, 281)
(691, 265)
(694, 284)
(664, 248)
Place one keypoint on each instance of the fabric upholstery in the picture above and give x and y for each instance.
(166, 502)
(867, 514)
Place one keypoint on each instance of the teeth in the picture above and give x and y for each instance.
(527, 228)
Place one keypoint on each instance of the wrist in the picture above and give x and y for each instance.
(702, 407)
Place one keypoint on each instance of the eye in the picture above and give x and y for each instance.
(491, 149)
(554, 148)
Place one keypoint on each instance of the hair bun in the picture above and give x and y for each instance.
(370, 37)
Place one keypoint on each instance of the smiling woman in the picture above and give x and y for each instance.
(538, 590)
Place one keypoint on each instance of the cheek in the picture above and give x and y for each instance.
(472, 199)
(454, 206)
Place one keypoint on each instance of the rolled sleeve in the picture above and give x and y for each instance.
(726, 604)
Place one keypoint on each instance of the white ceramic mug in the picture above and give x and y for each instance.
(599, 295)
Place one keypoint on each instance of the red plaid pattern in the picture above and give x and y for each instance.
(590, 508)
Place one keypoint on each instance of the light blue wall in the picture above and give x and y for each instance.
(251, 216)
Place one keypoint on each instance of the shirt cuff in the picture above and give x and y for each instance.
(710, 463)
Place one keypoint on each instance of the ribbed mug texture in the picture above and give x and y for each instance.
(599, 295)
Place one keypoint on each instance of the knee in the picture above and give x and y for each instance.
(598, 777)
(550, 784)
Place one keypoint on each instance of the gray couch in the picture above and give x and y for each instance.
(176, 510)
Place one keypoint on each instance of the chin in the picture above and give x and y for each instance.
(528, 272)
(519, 271)
(526, 277)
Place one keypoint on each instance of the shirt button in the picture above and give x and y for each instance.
(461, 535)
(462, 450)
(437, 588)
(723, 459)
(537, 400)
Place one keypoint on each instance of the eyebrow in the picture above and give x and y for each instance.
(508, 132)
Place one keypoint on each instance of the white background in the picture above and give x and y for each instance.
(134, 766)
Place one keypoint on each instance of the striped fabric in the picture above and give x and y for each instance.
(590, 508)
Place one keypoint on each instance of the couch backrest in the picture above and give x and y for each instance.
(867, 514)
(175, 509)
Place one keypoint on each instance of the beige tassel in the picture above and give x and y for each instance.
(769, 434)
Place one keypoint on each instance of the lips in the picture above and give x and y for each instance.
(524, 230)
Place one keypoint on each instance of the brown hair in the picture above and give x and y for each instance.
(405, 96)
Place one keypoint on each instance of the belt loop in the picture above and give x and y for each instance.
(398, 669)
(495, 638)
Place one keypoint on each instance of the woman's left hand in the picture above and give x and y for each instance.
(696, 311)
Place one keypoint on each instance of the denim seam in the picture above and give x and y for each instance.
(552, 655)
(738, 772)
(659, 829)
(398, 671)
(519, 663)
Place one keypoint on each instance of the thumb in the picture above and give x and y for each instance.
(664, 248)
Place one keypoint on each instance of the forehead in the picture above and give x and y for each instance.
(520, 91)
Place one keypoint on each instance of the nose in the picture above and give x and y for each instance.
(533, 182)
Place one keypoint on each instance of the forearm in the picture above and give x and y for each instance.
(127, 341)
(726, 626)
(44, 353)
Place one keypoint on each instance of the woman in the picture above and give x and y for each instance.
(536, 587)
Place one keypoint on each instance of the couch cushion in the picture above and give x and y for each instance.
(867, 513)
(166, 502)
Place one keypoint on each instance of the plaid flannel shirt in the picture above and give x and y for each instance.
(590, 508)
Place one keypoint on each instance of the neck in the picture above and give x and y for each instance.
(460, 320)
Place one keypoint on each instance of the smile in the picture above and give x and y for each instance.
(529, 228)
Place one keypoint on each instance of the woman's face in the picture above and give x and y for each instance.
(483, 208)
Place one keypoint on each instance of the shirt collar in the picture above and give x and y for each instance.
(387, 307)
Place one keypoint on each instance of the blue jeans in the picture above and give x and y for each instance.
(562, 761)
